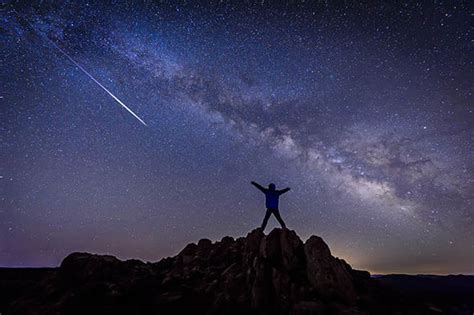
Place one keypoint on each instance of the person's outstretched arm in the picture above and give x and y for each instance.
(283, 190)
(258, 186)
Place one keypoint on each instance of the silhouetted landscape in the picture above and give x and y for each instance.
(132, 128)
(257, 274)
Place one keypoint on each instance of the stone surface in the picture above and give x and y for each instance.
(330, 276)
(257, 274)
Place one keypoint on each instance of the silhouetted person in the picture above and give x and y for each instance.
(271, 202)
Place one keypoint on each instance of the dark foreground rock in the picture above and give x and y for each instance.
(257, 274)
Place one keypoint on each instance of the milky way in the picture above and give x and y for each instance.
(365, 111)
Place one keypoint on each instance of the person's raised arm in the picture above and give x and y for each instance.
(258, 186)
(283, 190)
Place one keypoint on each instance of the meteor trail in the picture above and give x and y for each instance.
(27, 25)
(98, 83)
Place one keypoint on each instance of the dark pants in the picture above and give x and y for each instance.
(276, 213)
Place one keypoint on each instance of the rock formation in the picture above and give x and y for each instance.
(257, 274)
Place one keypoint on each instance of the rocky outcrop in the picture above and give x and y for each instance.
(330, 276)
(257, 274)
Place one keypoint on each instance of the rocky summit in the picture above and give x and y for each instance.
(257, 274)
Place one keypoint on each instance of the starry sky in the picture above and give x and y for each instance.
(365, 110)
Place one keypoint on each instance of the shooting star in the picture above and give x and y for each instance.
(98, 83)
(24, 22)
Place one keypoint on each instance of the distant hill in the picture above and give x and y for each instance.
(257, 274)
(453, 294)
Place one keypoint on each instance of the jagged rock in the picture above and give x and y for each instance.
(284, 249)
(252, 245)
(256, 274)
(227, 240)
(329, 275)
(204, 244)
(188, 253)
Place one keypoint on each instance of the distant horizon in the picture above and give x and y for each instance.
(373, 274)
(151, 261)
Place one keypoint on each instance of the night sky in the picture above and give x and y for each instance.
(364, 110)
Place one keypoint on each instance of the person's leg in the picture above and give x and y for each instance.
(277, 215)
(265, 219)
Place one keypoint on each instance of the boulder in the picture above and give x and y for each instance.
(284, 249)
(84, 267)
(328, 275)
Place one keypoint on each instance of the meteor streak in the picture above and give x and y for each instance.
(27, 25)
(98, 83)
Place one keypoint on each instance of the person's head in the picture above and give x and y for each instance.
(271, 186)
